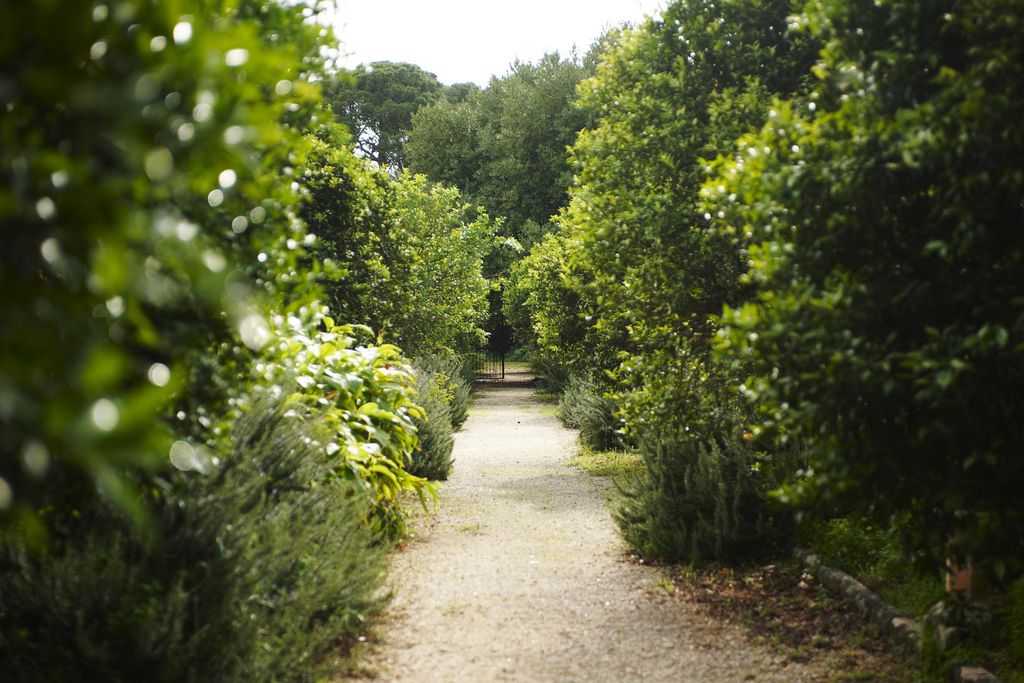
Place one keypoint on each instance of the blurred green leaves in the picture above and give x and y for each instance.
(141, 150)
(886, 269)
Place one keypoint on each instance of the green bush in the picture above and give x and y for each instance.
(432, 458)
(704, 499)
(454, 377)
(363, 395)
(397, 254)
(886, 268)
(258, 564)
(583, 407)
(142, 151)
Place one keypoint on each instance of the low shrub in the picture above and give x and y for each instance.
(554, 375)
(454, 376)
(255, 567)
(703, 499)
(583, 407)
(365, 397)
(432, 458)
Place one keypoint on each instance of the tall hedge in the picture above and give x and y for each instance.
(882, 219)
(648, 273)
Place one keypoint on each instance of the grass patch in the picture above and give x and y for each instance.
(547, 409)
(607, 463)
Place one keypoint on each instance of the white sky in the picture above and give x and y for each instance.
(472, 40)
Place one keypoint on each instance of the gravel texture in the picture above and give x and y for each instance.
(521, 576)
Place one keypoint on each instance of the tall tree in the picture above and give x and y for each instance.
(636, 254)
(377, 102)
(505, 146)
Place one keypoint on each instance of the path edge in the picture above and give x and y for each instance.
(905, 630)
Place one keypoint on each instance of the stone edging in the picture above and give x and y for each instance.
(904, 629)
(888, 618)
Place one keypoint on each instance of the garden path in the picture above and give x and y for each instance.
(521, 576)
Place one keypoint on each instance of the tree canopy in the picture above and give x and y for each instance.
(377, 102)
(505, 146)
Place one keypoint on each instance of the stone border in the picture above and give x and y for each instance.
(904, 629)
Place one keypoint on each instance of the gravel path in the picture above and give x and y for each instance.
(521, 576)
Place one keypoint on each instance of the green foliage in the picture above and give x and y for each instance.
(157, 264)
(454, 377)
(702, 500)
(141, 158)
(363, 396)
(504, 146)
(376, 102)
(631, 287)
(543, 304)
(881, 221)
(443, 143)
(666, 95)
(874, 555)
(443, 243)
(396, 253)
(432, 458)
(257, 566)
(350, 209)
(582, 406)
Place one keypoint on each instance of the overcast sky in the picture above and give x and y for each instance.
(472, 40)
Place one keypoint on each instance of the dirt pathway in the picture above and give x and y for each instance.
(521, 576)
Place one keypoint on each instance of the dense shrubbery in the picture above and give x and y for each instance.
(849, 264)
(432, 458)
(141, 180)
(199, 469)
(397, 254)
(887, 271)
(364, 396)
(702, 499)
(641, 279)
(582, 406)
(253, 569)
(454, 376)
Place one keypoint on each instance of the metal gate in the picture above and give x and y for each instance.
(490, 365)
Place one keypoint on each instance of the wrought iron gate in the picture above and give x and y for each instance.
(490, 365)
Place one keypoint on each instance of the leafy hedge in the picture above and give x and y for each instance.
(812, 205)
(397, 254)
(141, 157)
(885, 320)
(199, 468)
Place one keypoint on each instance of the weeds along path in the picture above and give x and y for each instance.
(521, 576)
